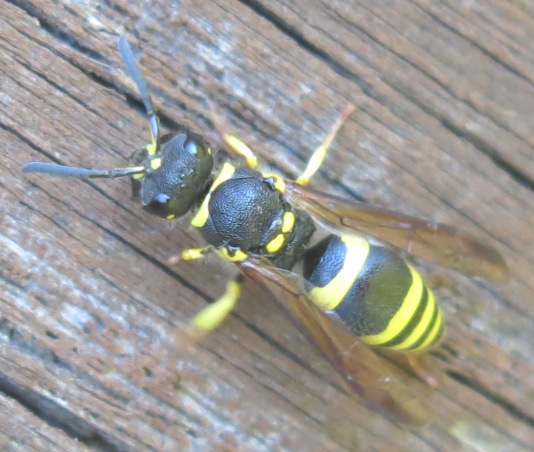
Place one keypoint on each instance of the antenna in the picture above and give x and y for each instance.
(135, 74)
(82, 173)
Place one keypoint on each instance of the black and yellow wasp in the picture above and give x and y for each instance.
(348, 295)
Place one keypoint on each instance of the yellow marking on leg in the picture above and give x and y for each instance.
(140, 175)
(192, 254)
(240, 148)
(421, 327)
(329, 296)
(234, 144)
(151, 148)
(314, 164)
(275, 244)
(319, 154)
(213, 315)
(189, 254)
(199, 220)
(403, 315)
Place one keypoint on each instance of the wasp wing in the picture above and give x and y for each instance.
(435, 242)
(370, 376)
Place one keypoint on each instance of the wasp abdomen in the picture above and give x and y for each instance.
(374, 292)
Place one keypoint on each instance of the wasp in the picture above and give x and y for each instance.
(348, 294)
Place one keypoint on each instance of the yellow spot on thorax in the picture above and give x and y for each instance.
(237, 256)
(275, 244)
(288, 221)
(279, 183)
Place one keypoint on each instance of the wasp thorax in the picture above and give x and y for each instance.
(176, 175)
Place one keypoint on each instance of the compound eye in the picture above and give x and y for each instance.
(193, 147)
(159, 205)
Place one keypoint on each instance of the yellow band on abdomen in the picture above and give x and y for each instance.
(332, 294)
(403, 315)
(422, 326)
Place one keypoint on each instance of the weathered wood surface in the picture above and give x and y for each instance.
(89, 311)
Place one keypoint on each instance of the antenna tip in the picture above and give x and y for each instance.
(30, 167)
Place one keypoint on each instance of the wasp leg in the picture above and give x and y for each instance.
(419, 369)
(319, 154)
(189, 254)
(208, 319)
(233, 143)
(213, 315)
(240, 148)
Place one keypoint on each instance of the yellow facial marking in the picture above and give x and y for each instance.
(403, 315)
(138, 176)
(279, 183)
(275, 244)
(155, 163)
(170, 216)
(199, 220)
(288, 221)
(212, 316)
(329, 296)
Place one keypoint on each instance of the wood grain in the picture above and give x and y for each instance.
(90, 314)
